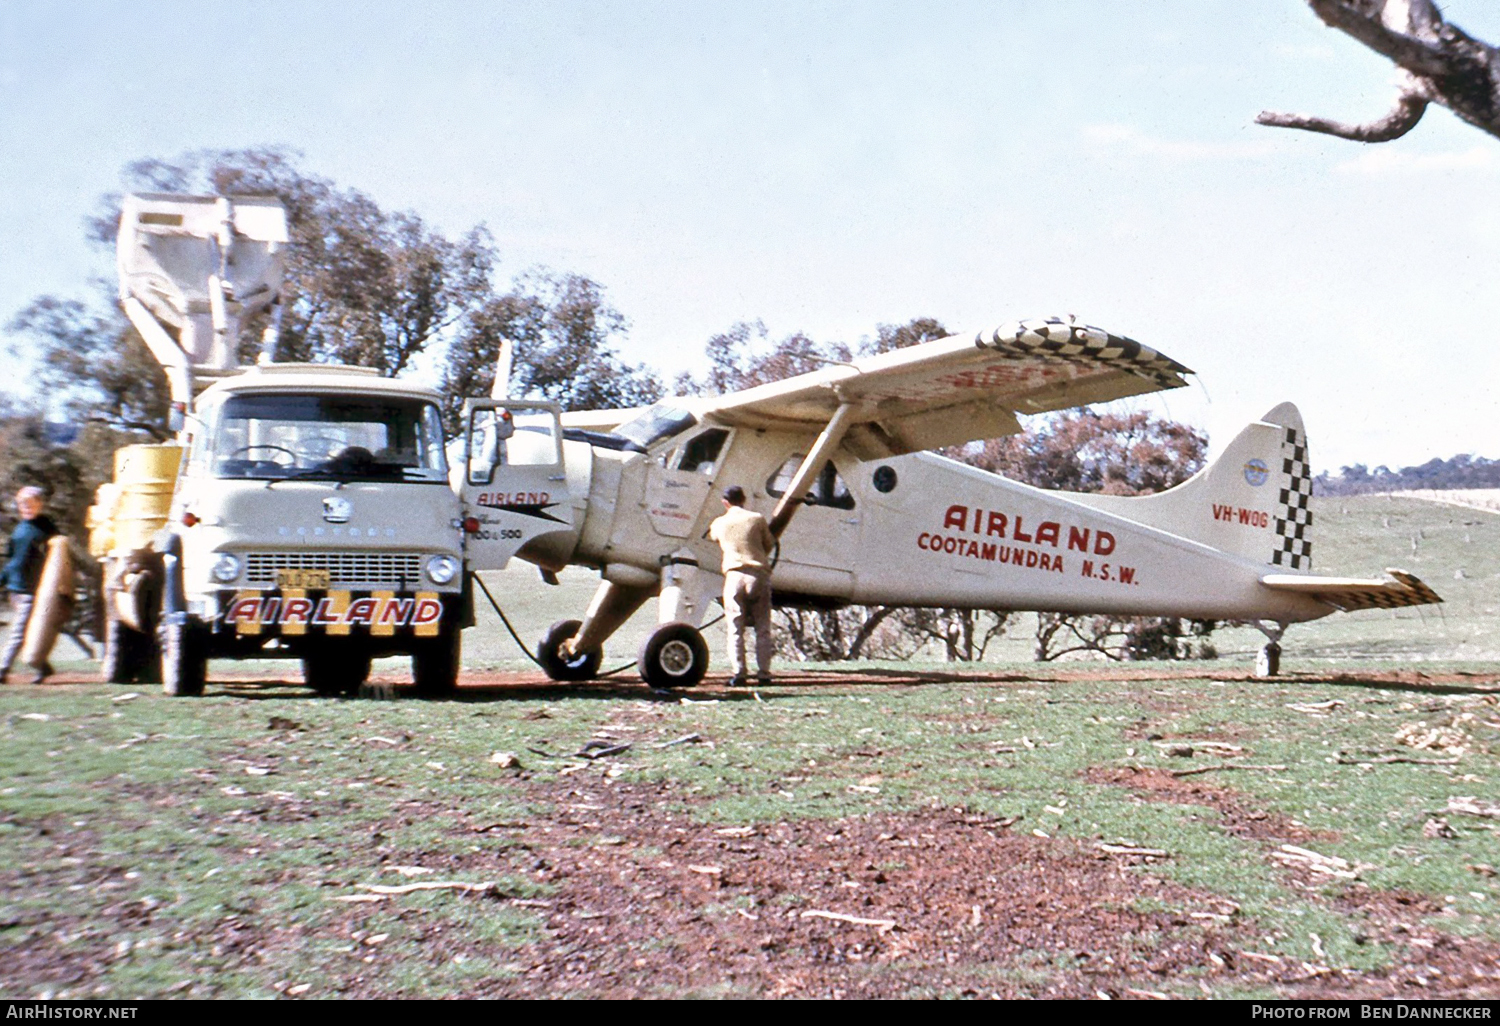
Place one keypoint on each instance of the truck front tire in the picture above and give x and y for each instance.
(434, 666)
(184, 659)
(336, 673)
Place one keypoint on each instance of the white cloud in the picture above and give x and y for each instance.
(1132, 142)
(1385, 160)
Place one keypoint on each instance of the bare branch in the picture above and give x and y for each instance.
(1363, 21)
(1408, 111)
(1442, 64)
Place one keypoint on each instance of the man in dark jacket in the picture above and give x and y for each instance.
(24, 558)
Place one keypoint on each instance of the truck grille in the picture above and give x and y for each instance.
(342, 567)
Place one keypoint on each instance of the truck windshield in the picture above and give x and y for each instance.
(338, 437)
(658, 422)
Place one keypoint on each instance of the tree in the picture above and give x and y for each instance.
(744, 357)
(1440, 63)
(564, 333)
(1117, 453)
(93, 361)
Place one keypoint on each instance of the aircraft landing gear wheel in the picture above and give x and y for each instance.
(673, 656)
(434, 666)
(184, 659)
(549, 653)
(339, 673)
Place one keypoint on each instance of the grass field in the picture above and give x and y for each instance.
(903, 830)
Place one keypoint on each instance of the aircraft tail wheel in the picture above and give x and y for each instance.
(673, 656)
(1268, 663)
(558, 667)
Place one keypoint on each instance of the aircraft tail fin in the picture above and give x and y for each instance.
(1252, 501)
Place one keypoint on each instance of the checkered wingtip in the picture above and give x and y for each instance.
(1064, 339)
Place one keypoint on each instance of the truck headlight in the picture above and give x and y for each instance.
(442, 569)
(226, 568)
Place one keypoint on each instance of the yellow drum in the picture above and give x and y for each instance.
(145, 478)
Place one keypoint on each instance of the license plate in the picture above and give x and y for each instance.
(302, 579)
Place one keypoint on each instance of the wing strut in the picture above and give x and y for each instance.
(812, 464)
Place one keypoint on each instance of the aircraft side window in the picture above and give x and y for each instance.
(703, 450)
(828, 489)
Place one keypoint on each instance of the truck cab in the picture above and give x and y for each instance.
(313, 520)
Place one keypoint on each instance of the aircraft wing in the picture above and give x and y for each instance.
(600, 420)
(957, 389)
(1349, 593)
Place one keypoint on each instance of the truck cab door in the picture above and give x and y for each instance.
(515, 487)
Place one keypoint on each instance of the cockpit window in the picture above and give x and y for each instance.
(828, 489)
(658, 422)
(702, 450)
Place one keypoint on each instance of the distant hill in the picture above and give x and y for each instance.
(1462, 471)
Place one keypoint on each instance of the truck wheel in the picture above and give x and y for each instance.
(339, 673)
(184, 659)
(549, 654)
(128, 655)
(673, 656)
(434, 666)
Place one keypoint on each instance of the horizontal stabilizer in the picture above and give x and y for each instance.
(1351, 593)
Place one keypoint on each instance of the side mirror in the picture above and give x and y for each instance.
(505, 425)
(487, 429)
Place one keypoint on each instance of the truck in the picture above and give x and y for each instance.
(303, 511)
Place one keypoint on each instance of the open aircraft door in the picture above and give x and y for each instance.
(678, 486)
(515, 487)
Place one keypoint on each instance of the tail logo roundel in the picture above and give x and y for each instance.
(1257, 473)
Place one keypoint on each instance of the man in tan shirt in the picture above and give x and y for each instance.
(746, 540)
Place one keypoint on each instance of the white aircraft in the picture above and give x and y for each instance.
(835, 460)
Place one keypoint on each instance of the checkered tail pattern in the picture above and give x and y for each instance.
(1293, 509)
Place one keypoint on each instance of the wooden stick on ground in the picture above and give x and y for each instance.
(880, 924)
(488, 887)
(1276, 768)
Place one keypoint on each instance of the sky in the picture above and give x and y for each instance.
(827, 167)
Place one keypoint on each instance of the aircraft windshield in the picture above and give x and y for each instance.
(660, 421)
(324, 437)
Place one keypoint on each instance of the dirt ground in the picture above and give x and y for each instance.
(950, 902)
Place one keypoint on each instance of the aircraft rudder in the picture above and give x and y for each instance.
(1257, 493)
(1294, 516)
